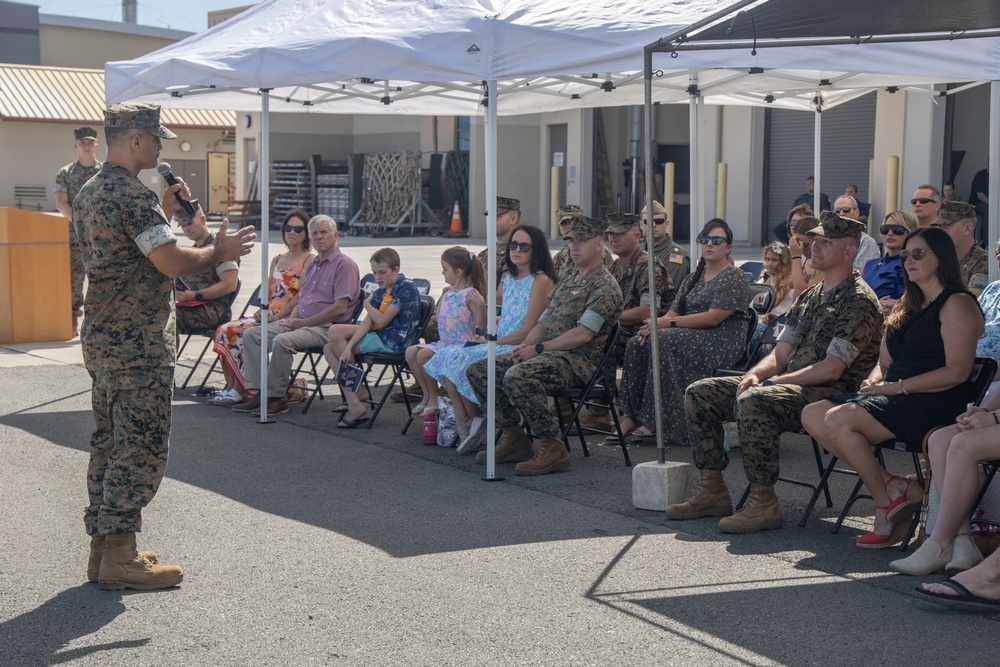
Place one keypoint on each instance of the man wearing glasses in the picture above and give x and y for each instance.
(674, 257)
(846, 206)
(959, 220)
(828, 346)
(926, 203)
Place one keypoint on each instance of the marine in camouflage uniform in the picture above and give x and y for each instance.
(590, 299)
(632, 274)
(958, 218)
(844, 322)
(69, 180)
(562, 261)
(207, 315)
(128, 342)
(673, 256)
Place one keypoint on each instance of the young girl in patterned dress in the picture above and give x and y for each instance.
(460, 311)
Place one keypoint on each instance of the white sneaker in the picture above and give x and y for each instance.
(476, 432)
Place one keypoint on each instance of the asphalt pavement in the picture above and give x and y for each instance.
(304, 544)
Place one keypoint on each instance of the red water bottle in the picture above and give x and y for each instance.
(430, 429)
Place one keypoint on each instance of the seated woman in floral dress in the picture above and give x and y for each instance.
(286, 272)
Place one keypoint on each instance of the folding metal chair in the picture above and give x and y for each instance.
(207, 333)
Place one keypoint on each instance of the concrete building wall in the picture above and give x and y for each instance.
(50, 147)
(19, 42)
(970, 128)
(518, 173)
(742, 149)
(75, 42)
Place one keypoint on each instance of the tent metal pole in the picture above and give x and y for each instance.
(993, 217)
(491, 272)
(661, 43)
(654, 346)
(817, 153)
(265, 228)
(695, 207)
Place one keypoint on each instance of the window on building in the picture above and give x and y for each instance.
(462, 133)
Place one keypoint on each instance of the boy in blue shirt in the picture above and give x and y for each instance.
(390, 326)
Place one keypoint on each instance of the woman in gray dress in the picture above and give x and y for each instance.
(704, 329)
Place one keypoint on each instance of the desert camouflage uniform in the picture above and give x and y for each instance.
(674, 257)
(976, 267)
(845, 322)
(69, 180)
(210, 314)
(128, 346)
(593, 301)
(564, 263)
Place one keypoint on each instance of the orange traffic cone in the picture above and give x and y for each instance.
(456, 223)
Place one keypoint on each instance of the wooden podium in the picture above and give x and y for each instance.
(35, 301)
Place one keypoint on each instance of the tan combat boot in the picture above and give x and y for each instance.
(760, 512)
(514, 445)
(97, 549)
(712, 499)
(598, 419)
(553, 457)
(122, 567)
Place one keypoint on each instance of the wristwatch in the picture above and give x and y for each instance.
(197, 296)
(673, 323)
(539, 348)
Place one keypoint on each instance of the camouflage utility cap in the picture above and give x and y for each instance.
(182, 218)
(832, 226)
(954, 211)
(505, 205)
(567, 211)
(585, 228)
(84, 132)
(657, 209)
(619, 223)
(136, 117)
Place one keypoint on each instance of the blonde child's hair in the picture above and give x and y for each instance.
(461, 259)
(783, 278)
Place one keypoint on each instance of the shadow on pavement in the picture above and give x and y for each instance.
(39, 636)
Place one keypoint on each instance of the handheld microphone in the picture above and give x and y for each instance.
(168, 176)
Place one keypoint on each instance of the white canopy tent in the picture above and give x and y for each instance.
(421, 57)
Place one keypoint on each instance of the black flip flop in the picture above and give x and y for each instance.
(964, 596)
(345, 423)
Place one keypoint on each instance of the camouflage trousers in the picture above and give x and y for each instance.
(128, 449)
(77, 272)
(761, 414)
(528, 381)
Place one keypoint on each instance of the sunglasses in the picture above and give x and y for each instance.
(294, 228)
(843, 209)
(922, 200)
(898, 230)
(714, 240)
(917, 254)
(659, 221)
(523, 247)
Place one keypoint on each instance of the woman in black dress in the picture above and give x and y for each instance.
(916, 386)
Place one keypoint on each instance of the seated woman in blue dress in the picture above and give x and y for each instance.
(917, 386)
(885, 274)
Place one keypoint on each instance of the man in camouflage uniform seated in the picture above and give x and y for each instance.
(959, 220)
(631, 270)
(561, 352)
(69, 180)
(829, 345)
(674, 257)
(213, 285)
(128, 339)
(562, 261)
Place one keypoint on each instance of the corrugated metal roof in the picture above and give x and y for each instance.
(66, 94)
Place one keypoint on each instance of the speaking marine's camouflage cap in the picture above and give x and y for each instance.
(85, 132)
(505, 204)
(136, 117)
(567, 211)
(832, 226)
(954, 211)
(584, 228)
(182, 218)
(619, 223)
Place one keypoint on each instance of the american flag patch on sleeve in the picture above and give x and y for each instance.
(676, 259)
